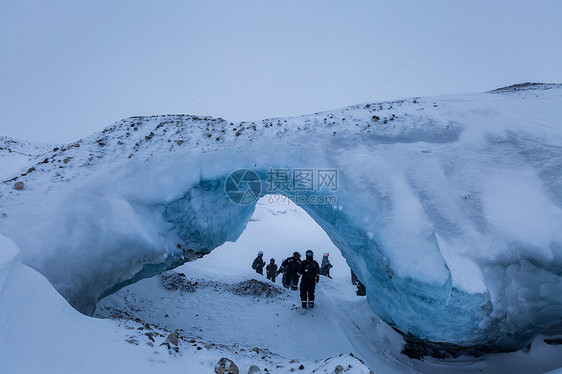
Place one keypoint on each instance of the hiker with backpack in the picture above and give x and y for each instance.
(259, 263)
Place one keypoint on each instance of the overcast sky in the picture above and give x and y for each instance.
(70, 68)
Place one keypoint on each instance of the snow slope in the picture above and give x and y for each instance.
(16, 155)
(448, 208)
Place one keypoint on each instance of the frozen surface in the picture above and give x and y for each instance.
(448, 208)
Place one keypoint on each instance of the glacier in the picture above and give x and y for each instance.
(447, 208)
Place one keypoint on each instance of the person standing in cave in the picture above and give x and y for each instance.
(309, 270)
(326, 266)
(271, 270)
(290, 269)
(259, 263)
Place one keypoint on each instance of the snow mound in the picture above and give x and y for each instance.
(448, 209)
(173, 281)
(36, 322)
(253, 287)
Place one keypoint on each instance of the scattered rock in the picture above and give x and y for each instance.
(177, 282)
(226, 366)
(525, 86)
(18, 186)
(553, 341)
(255, 287)
(173, 338)
(301, 367)
(417, 349)
(294, 361)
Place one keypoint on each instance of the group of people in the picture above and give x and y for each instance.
(307, 270)
(294, 268)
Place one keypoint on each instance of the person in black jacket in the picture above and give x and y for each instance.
(259, 263)
(326, 266)
(271, 270)
(290, 269)
(309, 270)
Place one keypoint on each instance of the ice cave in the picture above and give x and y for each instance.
(448, 209)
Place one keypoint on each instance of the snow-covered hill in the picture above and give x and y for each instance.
(447, 208)
(16, 156)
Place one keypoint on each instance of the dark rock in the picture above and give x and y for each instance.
(226, 366)
(253, 287)
(173, 338)
(177, 282)
(557, 341)
(418, 349)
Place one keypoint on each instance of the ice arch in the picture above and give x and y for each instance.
(447, 209)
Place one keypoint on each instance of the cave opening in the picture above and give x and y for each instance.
(221, 299)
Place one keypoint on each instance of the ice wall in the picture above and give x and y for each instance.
(448, 209)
